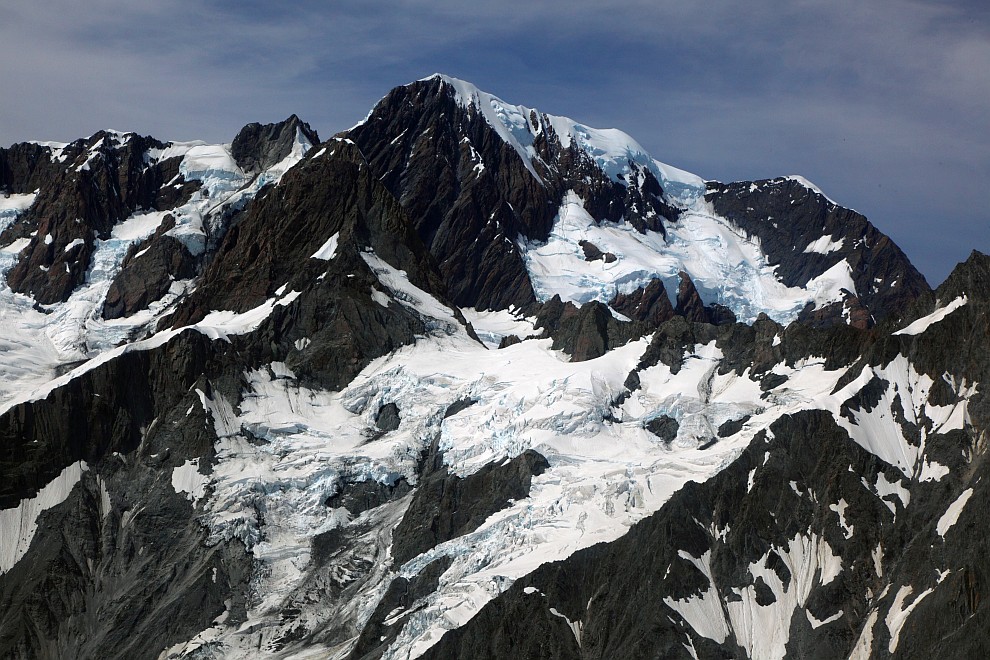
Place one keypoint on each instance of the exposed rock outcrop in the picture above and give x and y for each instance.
(445, 506)
(259, 146)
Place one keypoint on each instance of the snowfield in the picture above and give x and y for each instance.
(606, 474)
(726, 266)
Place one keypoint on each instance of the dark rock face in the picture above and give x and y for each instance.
(672, 340)
(468, 217)
(102, 411)
(26, 167)
(383, 626)
(689, 303)
(388, 418)
(593, 253)
(970, 278)
(649, 304)
(108, 412)
(458, 406)
(259, 146)
(732, 427)
(664, 427)
(134, 606)
(125, 566)
(610, 588)
(445, 506)
(509, 340)
(545, 635)
(585, 332)
(786, 216)
(86, 588)
(88, 585)
(720, 315)
(781, 494)
(333, 194)
(365, 495)
(270, 247)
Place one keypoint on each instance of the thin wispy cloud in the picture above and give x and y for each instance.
(884, 105)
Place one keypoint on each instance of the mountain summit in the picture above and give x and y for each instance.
(547, 184)
(471, 380)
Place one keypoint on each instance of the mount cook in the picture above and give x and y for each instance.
(470, 380)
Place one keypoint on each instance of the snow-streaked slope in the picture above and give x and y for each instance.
(809, 185)
(282, 449)
(607, 472)
(604, 477)
(36, 342)
(810, 562)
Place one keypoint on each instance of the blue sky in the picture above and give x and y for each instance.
(884, 105)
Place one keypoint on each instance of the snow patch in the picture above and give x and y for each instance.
(864, 645)
(887, 488)
(951, 515)
(220, 324)
(809, 185)
(438, 315)
(492, 326)
(703, 612)
(73, 243)
(328, 250)
(824, 245)
(840, 510)
(815, 623)
(612, 150)
(380, 297)
(925, 322)
(764, 630)
(187, 479)
(899, 612)
(13, 206)
(19, 524)
(877, 430)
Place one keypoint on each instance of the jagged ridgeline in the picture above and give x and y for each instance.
(473, 381)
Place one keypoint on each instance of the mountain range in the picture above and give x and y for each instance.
(468, 380)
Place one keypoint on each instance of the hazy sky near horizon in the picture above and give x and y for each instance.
(884, 105)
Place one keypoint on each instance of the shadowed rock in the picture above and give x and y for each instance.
(649, 304)
(446, 506)
(259, 146)
(664, 427)
(147, 273)
(585, 332)
(387, 418)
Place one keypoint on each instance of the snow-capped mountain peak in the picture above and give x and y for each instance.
(597, 191)
(468, 368)
(613, 150)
